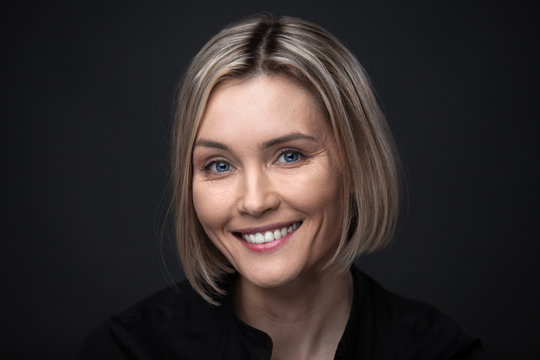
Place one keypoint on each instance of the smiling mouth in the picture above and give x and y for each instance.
(270, 235)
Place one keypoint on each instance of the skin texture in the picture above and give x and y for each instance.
(264, 157)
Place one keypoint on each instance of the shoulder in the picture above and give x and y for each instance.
(172, 303)
(153, 326)
(416, 329)
(408, 315)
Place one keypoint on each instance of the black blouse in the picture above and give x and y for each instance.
(179, 324)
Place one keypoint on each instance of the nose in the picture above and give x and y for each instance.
(258, 194)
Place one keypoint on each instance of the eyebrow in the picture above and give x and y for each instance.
(211, 144)
(265, 145)
(286, 138)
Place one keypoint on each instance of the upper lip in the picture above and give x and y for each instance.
(262, 229)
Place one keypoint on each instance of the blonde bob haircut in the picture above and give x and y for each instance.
(261, 45)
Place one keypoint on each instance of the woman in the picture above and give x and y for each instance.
(284, 172)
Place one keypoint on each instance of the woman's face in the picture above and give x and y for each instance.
(267, 178)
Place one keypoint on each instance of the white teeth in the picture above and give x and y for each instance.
(259, 238)
(268, 236)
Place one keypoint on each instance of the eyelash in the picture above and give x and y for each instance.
(301, 155)
(208, 166)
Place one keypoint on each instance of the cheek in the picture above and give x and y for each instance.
(315, 189)
(211, 205)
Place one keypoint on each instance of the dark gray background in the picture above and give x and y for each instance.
(86, 103)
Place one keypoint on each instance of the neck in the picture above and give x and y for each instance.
(305, 318)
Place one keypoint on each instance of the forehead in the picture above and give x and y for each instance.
(261, 105)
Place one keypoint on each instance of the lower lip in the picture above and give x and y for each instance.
(269, 246)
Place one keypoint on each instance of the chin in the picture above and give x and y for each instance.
(270, 276)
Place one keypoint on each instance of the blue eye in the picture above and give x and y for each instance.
(219, 166)
(289, 157)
